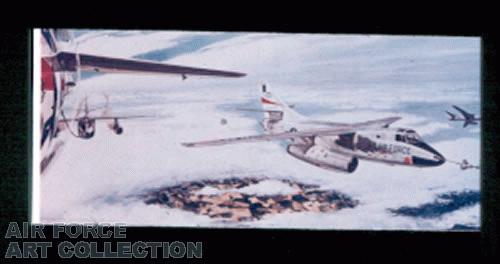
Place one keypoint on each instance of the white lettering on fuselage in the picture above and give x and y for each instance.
(390, 148)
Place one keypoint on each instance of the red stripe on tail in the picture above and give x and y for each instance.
(267, 101)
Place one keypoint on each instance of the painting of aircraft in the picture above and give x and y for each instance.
(175, 128)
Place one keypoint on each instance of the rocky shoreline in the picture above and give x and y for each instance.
(231, 204)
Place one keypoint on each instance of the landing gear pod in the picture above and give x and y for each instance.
(322, 157)
(116, 128)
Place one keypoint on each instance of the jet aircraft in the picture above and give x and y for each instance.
(468, 118)
(333, 145)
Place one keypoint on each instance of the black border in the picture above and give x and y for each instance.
(237, 244)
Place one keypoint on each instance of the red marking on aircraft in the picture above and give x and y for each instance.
(47, 76)
(267, 101)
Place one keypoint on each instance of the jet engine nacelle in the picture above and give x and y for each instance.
(322, 157)
(86, 127)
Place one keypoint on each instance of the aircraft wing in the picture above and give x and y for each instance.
(67, 61)
(271, 137)
(124, 117)
(299, 134)
(384, 122)
(463, 112)
(325, 123)
(117, 117)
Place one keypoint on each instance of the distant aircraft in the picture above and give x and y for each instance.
(468, 118)
(464, 165)
(336, 146)
(61, 65)
(85, 124)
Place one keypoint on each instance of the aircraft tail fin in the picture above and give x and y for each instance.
(278, 116)
(451, 116)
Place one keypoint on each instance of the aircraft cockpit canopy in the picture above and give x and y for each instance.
(408, 135)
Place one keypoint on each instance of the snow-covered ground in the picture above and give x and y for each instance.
(343, 78)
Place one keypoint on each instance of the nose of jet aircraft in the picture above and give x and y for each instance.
(434, 158)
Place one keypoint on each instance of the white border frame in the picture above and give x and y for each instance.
(35, 144)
